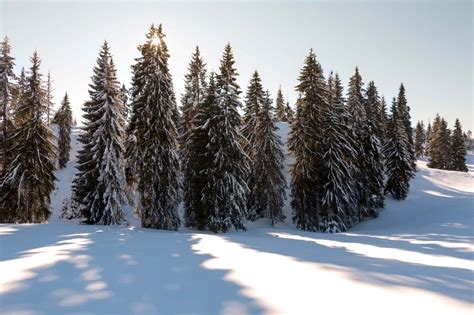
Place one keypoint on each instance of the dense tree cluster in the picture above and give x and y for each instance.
(349, 152)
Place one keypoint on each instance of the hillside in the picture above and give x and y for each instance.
(416, 257)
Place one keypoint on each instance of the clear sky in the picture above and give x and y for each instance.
(427, 45)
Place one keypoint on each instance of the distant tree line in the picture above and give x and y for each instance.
(138, 147)
(445, 148)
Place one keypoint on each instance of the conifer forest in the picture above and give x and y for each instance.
(143, 197)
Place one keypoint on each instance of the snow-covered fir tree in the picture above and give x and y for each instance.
(338, 207)
(254, 100)
(399, 163)
(360, 124)
(28, 182)
(280, 106)
(194, 92)
(404, 111)
(306, 145)
(269, 182)
(98, 188)
(383, 121)
(419, 139)
(64, 121)
(289, 112)
(7, 91)
(458, 149)
(49, 98)
(152, 153)
(125, 98)
(373, 160)
(231, 158)
(439, 144)
(427, 139)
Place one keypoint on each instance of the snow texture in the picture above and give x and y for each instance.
(415, 258)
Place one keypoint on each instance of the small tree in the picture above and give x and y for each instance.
(458, 149)
(281, 114)
(64, 121)
(419, 139)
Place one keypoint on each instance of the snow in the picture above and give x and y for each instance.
(417, 257)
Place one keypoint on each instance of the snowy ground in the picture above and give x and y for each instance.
(417, 257)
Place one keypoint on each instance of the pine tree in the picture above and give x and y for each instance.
(458, 149)
(7, 91)
(383, 120)
(99, 184)
(419, 139)
(404, 111)
(125, 94)
(373, 159)
(49, 98)
(428, 140)
(338, 210)
(194, 93)
(64, 120)
(152, 153)
(305, 143)
(439, 146)
(280, 107)
(289, 113)
(26, 187)
(269, 186)
(399, 168)
(254, 100)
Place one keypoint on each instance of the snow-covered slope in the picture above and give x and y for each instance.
(417, 257)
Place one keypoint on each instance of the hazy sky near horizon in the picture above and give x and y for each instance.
(427, 45)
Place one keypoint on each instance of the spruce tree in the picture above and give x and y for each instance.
(99, 184)
(419, 139)
(125, 97)
(194, 93)
(458, 149)
(269, 186)
(360, 126)
(374, 167)
(49, 98)
(428, 139)
(152, 153)
(399, 163)
(7, 91)
(280, 106)
(338, 210)
(306, 145)
(440, 145)
(383, 121)
(64, 121)
(254, 100)
(404, 111)
(29, 180)
(232, 161)
(289, 113)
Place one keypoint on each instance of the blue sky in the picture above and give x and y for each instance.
(427, 45)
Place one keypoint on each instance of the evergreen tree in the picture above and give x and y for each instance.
(355, 106)
(305, 143)
(399, 168)
(26, 186)
(49, 98)
(98, 188)
(419, 139)
(404, 111)
(7, 90)
(289, 113)
(280, 107)
(233, 164)
(428, 139)
(374, 167)
(383, 121)
(269, 186)
(439, 146)
(64, 121)
(194, 93)
(458, 149)
(254, 100)
(338, 211)
(152, 153)
(125, 94)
